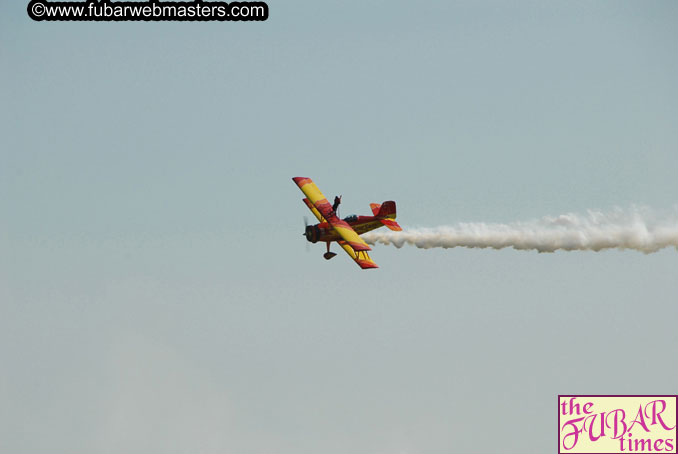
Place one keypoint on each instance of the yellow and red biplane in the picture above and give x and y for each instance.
(344, 231)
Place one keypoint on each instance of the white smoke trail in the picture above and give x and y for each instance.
(637, 228)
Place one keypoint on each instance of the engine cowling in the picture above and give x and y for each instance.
(312, 233)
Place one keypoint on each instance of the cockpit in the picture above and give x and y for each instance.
(351, 218)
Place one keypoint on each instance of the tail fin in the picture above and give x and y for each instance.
(387, 212)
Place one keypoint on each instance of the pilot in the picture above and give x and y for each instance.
(337, 201)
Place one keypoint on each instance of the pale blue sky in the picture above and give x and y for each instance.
(155, 292)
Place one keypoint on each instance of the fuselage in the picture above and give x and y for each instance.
(325, 232)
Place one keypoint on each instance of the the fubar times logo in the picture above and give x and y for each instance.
(601, 424)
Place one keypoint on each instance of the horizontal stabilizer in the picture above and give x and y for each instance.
(391, 224)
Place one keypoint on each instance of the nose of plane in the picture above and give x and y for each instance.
(310, 234)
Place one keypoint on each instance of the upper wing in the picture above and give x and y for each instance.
(315, 212)
(361, 258)
(321, 204)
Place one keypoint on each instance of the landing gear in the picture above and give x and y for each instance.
(328, 255)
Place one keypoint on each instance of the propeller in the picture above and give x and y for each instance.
(308, 246)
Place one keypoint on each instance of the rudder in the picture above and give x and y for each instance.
(387, 210)
(387, 213)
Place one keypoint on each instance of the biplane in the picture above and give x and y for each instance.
(346, 232)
